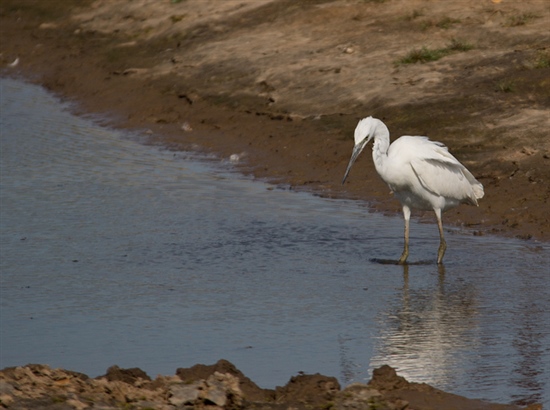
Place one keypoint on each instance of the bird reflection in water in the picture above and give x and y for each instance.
(428, 330)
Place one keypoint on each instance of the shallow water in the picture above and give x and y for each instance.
(113, 252)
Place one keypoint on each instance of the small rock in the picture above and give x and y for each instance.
(5, 400)
(223, 388)
(181, 394)
(77, 404)
(130, 376)
(315, 390)
(385, 378)
(48, 26)
(5, 387)
(14, 63)
(132, 71)
(127, 44)
(359, 395)
(215, 393)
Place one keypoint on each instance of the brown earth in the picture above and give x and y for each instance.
(282, 84)
(219, 386)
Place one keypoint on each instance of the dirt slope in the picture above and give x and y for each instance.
(282, 84)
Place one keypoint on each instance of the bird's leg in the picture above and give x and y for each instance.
(442, 243)
(406, 217)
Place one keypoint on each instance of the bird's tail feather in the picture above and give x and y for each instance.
(477, 187)
(478, 190)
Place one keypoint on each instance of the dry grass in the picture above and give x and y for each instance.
(426, 55)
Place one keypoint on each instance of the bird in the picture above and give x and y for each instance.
(421, 173)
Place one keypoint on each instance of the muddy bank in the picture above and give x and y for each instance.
(219, 386)
(280, 85)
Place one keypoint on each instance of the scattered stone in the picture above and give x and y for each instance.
(250, 390)
(216, 387)
(48, 26)
(359, 396)
(222, 389)
(130, 376)
(385, 378)
(182, 394)
(314, 390)
(14, 63)
(127, 44)
(6, 400)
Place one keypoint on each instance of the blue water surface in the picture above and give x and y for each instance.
(114, 252)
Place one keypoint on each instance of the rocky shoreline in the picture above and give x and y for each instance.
(219, 386)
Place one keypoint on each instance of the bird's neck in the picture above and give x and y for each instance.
(381, 145)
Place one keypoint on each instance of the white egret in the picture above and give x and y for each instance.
(421, 173)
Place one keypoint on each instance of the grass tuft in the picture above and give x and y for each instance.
(177, 18)
(422, 55)
(443, 23)
(505, 86)
(543, 60)
(426, 55)
(520, 19)
(457, 45)
(414, 15)
(446, 22)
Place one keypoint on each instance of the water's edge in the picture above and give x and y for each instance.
(144, 250)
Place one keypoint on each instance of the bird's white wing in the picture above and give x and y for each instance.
(439, 172)
(446, 180)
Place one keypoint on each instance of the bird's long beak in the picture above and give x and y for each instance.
(356, 151)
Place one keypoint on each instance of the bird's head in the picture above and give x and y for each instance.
(363, 134)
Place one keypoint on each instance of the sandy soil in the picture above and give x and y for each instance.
(282, 84)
